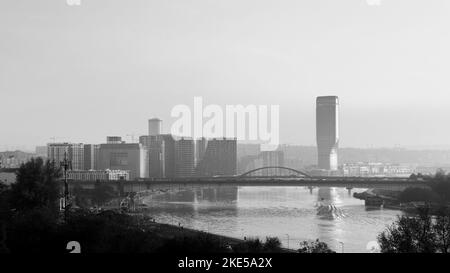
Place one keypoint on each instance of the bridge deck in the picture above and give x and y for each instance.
(348, 182)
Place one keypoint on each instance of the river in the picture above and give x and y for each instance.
(293, 214)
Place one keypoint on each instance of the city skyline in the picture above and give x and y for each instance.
(218, 134)
(377, 62)
(155, 127)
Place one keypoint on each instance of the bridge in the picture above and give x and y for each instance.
(276, 168)
(238, 181)
(284, 177)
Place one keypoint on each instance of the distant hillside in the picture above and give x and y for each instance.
(16, 154)
(307, 155)
(13, 159)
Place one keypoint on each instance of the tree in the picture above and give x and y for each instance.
(102, 193)
(412, 194)
(440, 184)
(442, 231)
(272, 244)
(314, 247)
(81, 199)
(4, 216)
(417, 234)
(37, 186)
(250, 245)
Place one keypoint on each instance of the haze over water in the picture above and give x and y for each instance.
(298, 213)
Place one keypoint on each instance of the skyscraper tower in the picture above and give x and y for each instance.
(327, 132)
(154, 126)
(184, 157)
(219, 158)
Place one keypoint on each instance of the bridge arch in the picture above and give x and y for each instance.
(275, 167)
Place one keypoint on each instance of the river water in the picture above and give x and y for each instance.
(293, 214)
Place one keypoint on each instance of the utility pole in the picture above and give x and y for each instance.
(66, 164)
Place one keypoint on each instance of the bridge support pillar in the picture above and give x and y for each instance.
(349, 190)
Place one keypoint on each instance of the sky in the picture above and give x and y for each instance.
(80, 73)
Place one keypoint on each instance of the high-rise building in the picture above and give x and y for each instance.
(124, 156)
(154, 126)
(184, 157)
(76, 155)
(168, 155)
(161, 155)
(219, 158)
(200, 149)
(91, 153)
(244, 150)
(246, 153)
(327, 132)
(41, 151)
(154, 151)
(154, 145)
(56, 152)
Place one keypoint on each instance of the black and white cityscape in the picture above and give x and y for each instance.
(224, 127)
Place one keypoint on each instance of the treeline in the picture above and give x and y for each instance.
(427, 230)
(438, 191)
(419, 233)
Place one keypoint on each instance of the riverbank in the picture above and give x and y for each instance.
(169, 231)
(390, 199)
(377, 197)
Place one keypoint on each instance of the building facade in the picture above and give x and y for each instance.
(373, 169)
(124, 156)
(76, 155)
(327, 132)
(200, 149)
(41, 151)
(219, 158)
(154, 126)
(57, 152)
(98, 175)
(161, 155)
(184, 157)
(153, 145)
(91, 154)
(114, 140)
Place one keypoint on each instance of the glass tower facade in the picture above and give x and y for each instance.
(327, 132)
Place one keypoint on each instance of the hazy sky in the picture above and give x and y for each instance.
(80, 73)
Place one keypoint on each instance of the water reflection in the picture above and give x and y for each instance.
(290, 213)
